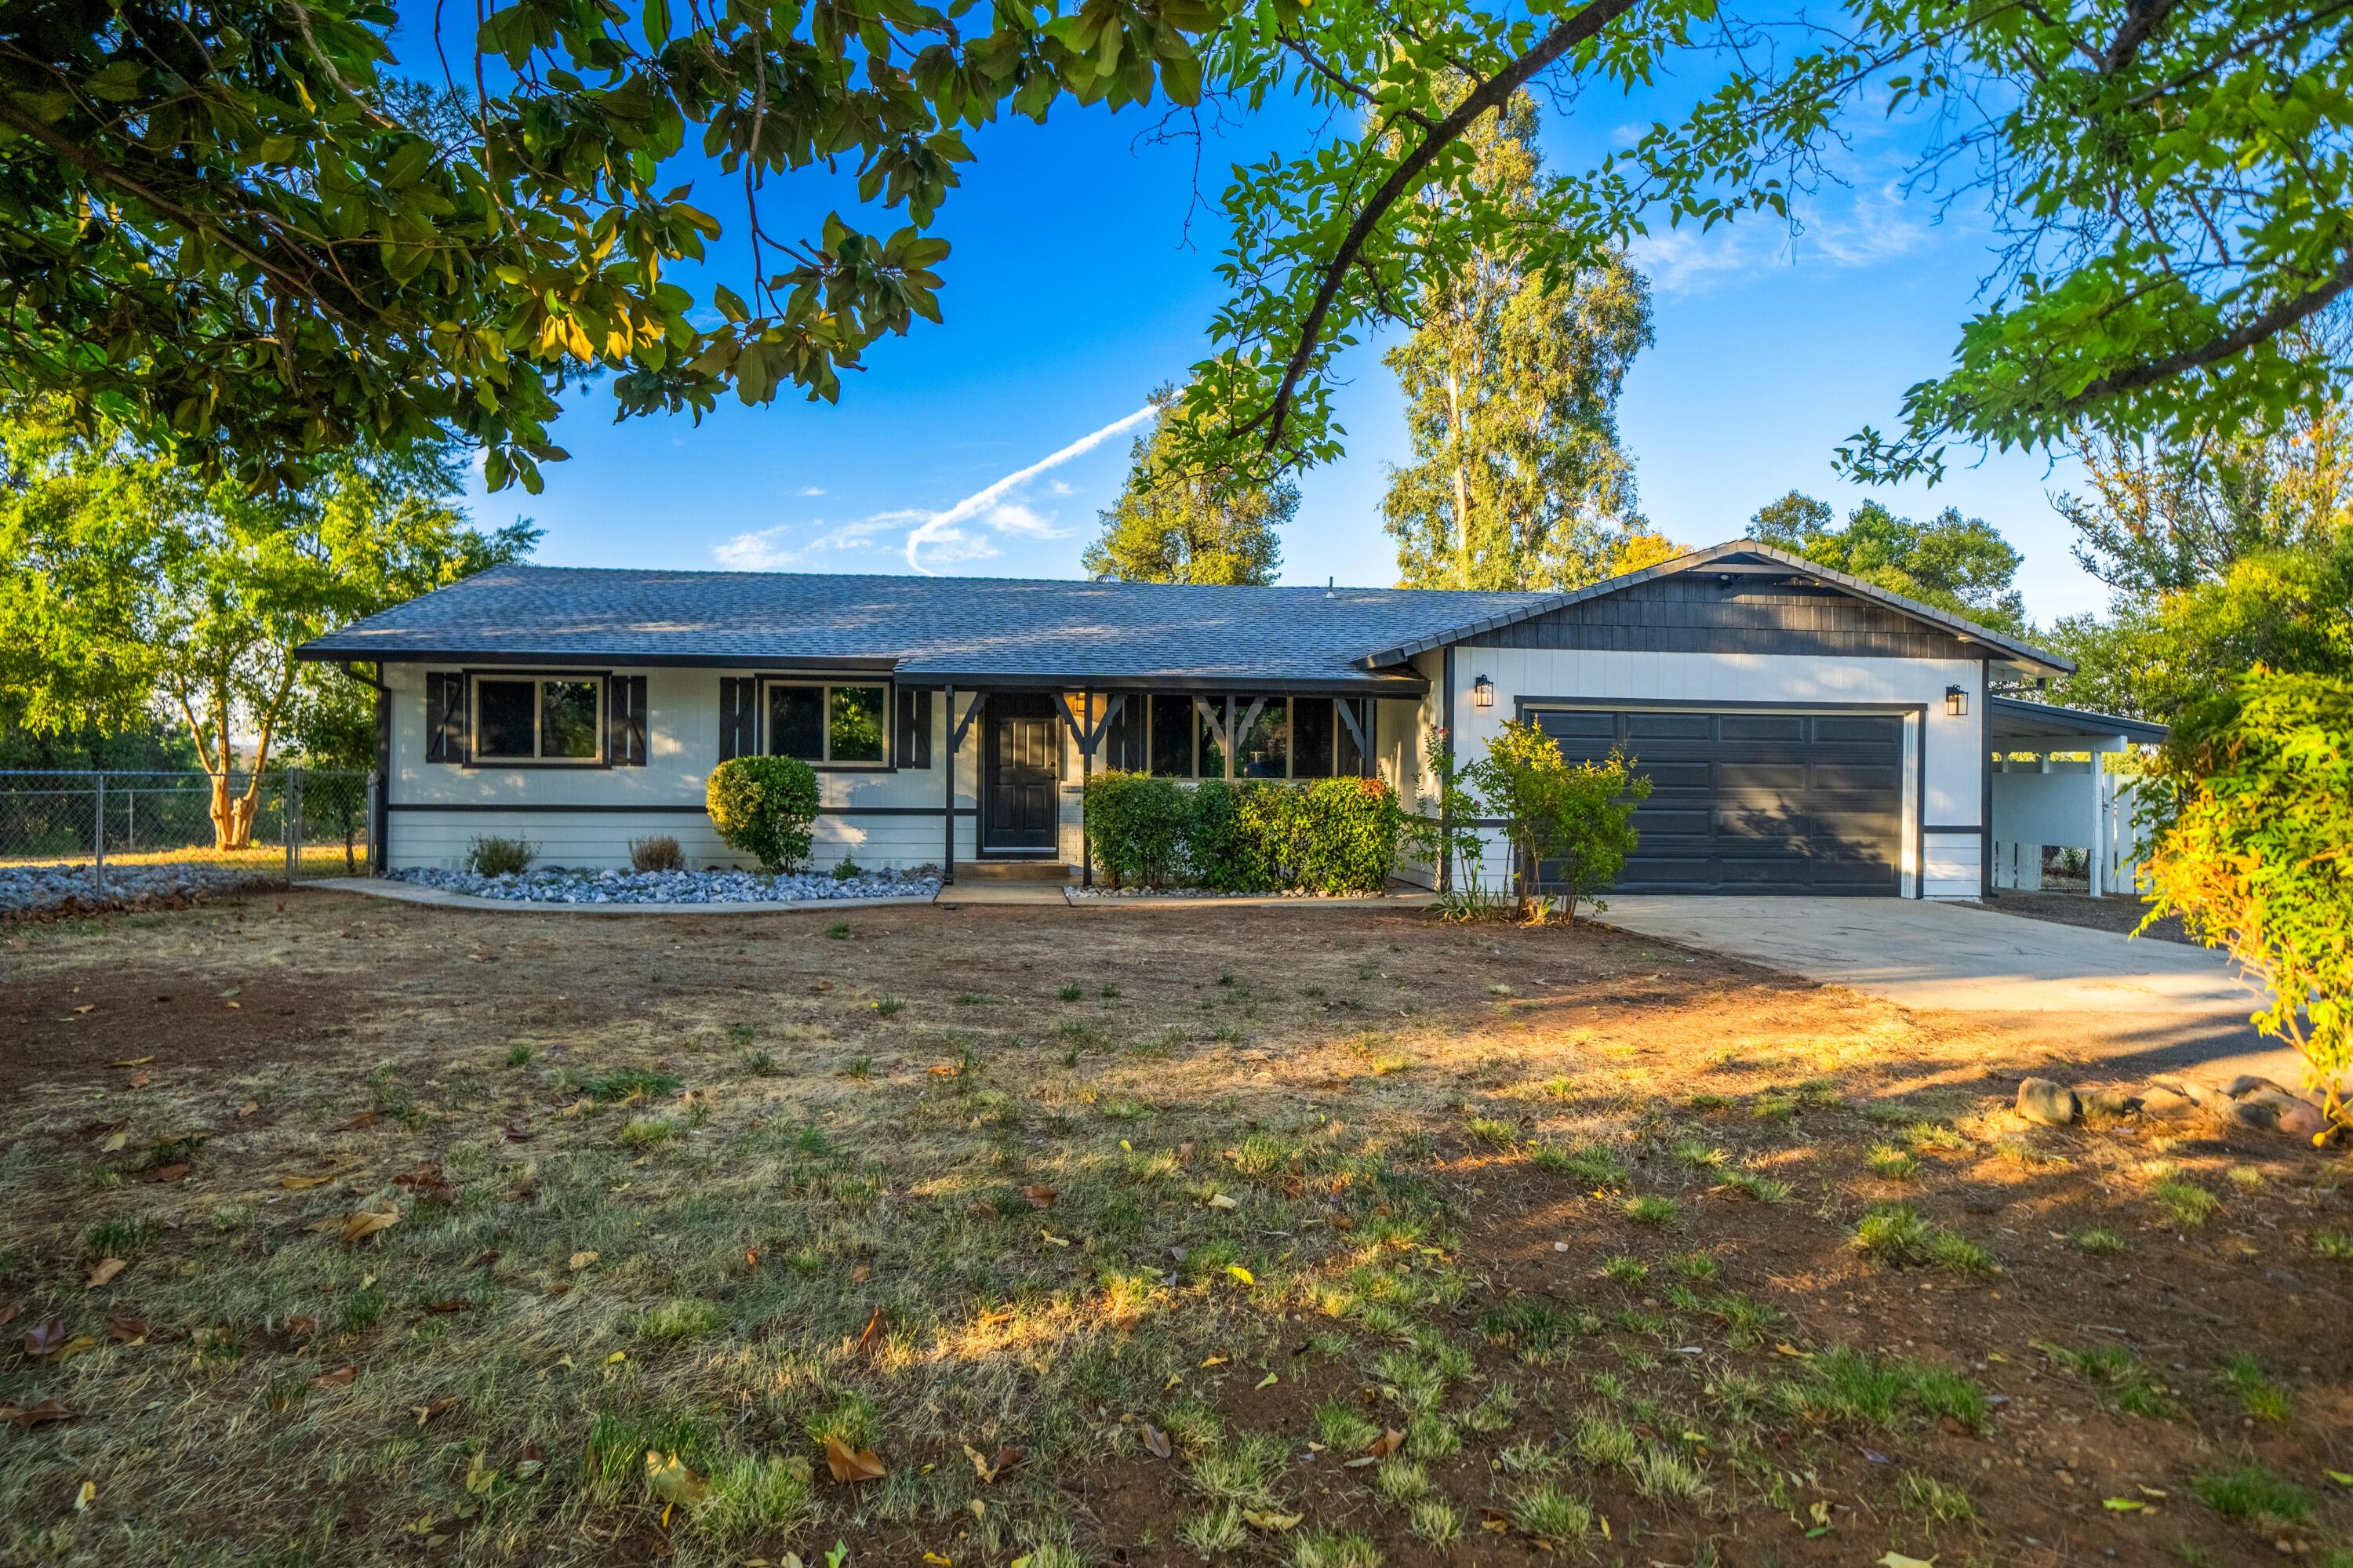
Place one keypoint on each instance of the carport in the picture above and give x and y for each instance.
(2047, 784)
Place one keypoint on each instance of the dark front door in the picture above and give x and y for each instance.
(1755, 802)
(1017, 813)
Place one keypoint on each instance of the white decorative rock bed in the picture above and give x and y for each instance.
(47, 889)
(554, 884)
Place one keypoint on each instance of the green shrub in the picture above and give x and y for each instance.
(1576, 817)
(2255, 809)
(763, 807)
(1135, 826)
(498, 857)
(1217, 849)
(658, 854)
(1354, 825)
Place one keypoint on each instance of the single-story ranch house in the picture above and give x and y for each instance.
(1805, 731)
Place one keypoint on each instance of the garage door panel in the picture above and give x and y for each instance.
(1753, 802)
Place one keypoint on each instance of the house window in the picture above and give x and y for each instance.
(1264, 752)
(840, 726)
(1172, 737)
(539, 718)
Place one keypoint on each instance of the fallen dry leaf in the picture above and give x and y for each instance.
(104, 1274)
(132, 1061)
(140, 1080)
(1155, 1441)
(946, 1070)
(46, 1336)
(1275, 1522)
(672, 1481)
(365, 1119)
(365, 1223)
(1387, 1443)
(338, 1378)
(296, 1183)
(10, 1313)
(851, 1466)
(172, 1172)
(1039, 1195)
(583, 1259)
(248, 1108)
(87, 1496)
(114, 1145)
(127, 1330)
(872, 1336)
(35, 1414)
(301, 1323)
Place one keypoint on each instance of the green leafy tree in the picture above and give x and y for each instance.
(130, 586)
(1179, 522)
(1511, 379)
(237, 231)
(2256, 854)
(1958, 564)
(1578, 816)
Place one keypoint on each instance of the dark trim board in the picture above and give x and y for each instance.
(483, 806)
(1522, 706)
(1955, 828)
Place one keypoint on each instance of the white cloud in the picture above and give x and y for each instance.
(964, 531)
(810, 490)
(997, 505)
(1841, 227)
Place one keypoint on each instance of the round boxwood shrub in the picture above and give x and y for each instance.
(763, 807)
(1135, 824)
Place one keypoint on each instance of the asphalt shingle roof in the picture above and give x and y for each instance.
(970, 626)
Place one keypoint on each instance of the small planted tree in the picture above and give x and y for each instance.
(1577, 816)
(764, 807)
(2253, 850)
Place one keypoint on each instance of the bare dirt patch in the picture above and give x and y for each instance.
(1169, 1216)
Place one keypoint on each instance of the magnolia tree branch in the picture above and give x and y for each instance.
(1492, 93)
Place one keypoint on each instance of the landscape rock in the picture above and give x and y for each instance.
(75, 889)
(2295, 1117)
(2113, 1104)
(2257, 1114)
(2162, 1104)
(2246, 1084)
(2041, 1101)
(554, 884)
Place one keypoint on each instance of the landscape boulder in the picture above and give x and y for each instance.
(2045, 1103)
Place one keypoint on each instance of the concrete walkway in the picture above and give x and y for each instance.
(413, 893)
(2133, 1006)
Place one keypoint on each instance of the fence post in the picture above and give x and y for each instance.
(98, 838)
(376, 851)
(290, 802)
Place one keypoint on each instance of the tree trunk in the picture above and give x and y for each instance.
(1462, 481)
(233, 814)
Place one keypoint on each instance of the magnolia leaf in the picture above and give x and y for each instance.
(581, 1260)
(341, 1377)
(105, 1273)
(296, 1183)
(851, 1466)
(1387, 1443)
(1155, 1441)
(365, 1223)
(1038, 1195)
(1220, 1201)
(673, 1482)
(1239, 1272)
(1269, 1521)
(87, 1496)
(35, 1414)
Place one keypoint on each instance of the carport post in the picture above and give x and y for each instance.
(2099, 850)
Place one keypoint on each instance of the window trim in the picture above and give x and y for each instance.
(826, 683)
(474, 758)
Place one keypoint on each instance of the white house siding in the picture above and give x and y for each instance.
(1954, 747)
(664, 797)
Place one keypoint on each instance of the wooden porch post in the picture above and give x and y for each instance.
(1086, 771)
(947, 810)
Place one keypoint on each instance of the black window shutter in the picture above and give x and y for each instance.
(625, 714)
(737, 713)
(445, 716)
(914, 727)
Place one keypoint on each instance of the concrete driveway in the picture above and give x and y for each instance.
(2136, 1005)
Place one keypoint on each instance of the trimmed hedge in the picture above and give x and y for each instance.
(1332, 836)
(764, 806)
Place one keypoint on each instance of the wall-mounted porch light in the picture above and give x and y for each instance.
(1957, 702)
(1482, 692)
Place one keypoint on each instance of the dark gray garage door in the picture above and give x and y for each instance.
(1755, 802)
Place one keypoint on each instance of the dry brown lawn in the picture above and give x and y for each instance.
(341, 1230)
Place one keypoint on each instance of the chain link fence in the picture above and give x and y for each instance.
(98, 839)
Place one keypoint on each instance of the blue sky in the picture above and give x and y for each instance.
(988, 444)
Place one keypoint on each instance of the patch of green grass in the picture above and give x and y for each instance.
(1893, 1164)
(838, 931)
(1772, 1105)
(1588, 1165)
(1605, 1442)
(1694, 1154)
(2185, 1203)
(1215, 1532)
(1551, 1512)
(1071, 993)
(1651, 1209)
(1344, 1428)
(1933, 1502)
(1755, 1188)
(1398, 1481)
(852, 1420)
(755, 1495)
(1529, 1325)
(1694, 1265)
(680, 1318)
(1900, 1234)
(1626, 1270)
(2099, 1240)
(1242, 1471)
(1704, 1103)
(890, 1006)
(1436, 1520)
(2123, 1375)
(2265, 1397)
(1430, 1436)
(2337, 1246)
(119, 1238)
(2253, 1495)
(1334, 1548)
(1847, 1386)
(1928, 1135)
(1493, 1131)
(1662, 1474)
(646, 1131)
(631, 1082)
(518, 1055)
